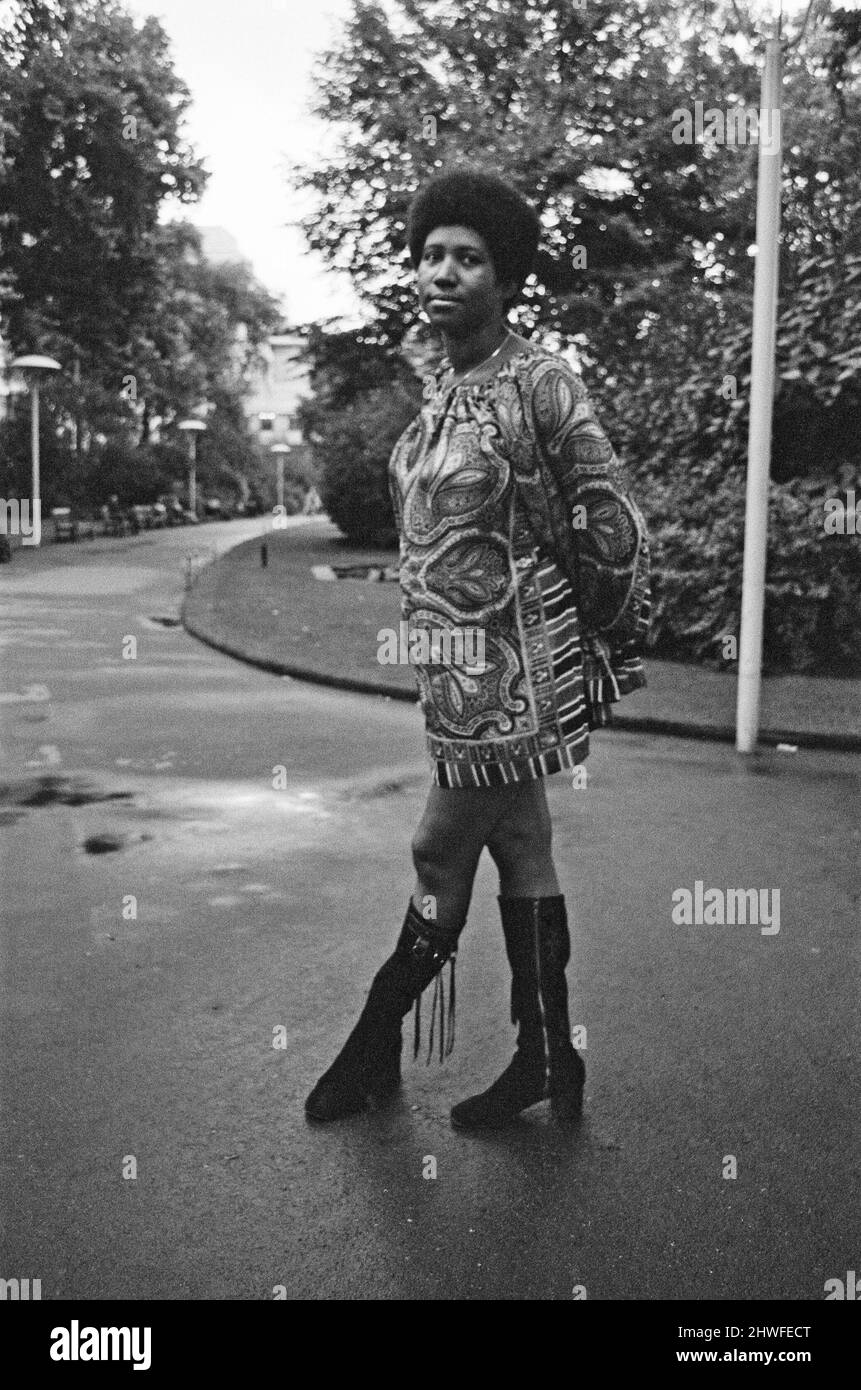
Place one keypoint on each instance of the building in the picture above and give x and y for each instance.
(277, 388)
(220, 246)
(278, 385)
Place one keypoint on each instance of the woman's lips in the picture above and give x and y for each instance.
(442, 299)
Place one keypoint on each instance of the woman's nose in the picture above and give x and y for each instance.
(444, 274)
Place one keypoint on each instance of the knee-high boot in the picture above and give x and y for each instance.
(367, 1070)
(545, 1065)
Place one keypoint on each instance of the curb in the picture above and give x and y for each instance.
(625, 723)
(725, 733)
(301, 673)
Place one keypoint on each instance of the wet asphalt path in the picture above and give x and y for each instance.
(168, 913)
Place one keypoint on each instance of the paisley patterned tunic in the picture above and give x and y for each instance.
(516, 522)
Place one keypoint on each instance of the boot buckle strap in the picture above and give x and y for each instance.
(423, 947)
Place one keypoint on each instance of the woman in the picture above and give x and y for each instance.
(514, 520)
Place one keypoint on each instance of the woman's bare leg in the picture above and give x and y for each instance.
(447, 845)
(538, 945)
(456, 825)
(520, 845)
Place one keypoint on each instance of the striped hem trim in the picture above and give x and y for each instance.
(502, 774)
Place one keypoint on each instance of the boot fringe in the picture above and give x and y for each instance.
(446, 1023)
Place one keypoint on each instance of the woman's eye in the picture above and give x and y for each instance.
(468, 258)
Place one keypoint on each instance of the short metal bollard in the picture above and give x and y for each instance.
(195, 561)
(264, 555)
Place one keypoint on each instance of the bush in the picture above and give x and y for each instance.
(15, 465)
(677, 411)
(354, 448)
(813, 580)
(136, 473)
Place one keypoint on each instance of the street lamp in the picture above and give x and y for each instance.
(293, 437)
(280, 451)
(192, 428)
(31, 366)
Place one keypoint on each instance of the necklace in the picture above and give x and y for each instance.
(483, 361)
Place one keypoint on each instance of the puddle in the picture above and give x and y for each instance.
(387, 786)
(52, 791)
(380, 789)
(104, 844)
(218, 827)
(110, 843)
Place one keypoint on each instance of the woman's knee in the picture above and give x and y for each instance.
(523, 836)
(446, 850)
(452, 831)
(425, 853)
(435, 859)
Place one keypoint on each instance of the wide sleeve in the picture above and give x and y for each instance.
(395, 495)
(598, 532)
(394, 486)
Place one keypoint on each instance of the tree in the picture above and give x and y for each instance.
(205, 338)
(645, 264)
(364, 394)
(93, 147)
(576, 107)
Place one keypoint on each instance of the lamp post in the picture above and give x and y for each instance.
(280, 451)
(762, 378)
(192, 428)
(31, 366)
(761, 401)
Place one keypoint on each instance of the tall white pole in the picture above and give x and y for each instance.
(280, 458)
(34, 455)
(761, 399)
(192, 475)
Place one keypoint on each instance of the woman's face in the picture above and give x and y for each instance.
(457, 283)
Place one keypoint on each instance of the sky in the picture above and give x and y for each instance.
(248, 64)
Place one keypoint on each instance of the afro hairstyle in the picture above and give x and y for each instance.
(490, 206)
